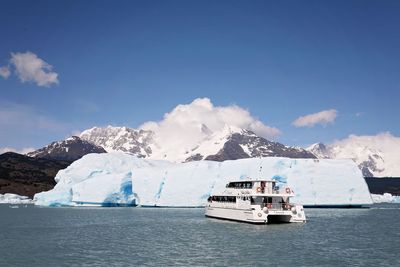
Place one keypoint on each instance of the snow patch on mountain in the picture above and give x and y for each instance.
(123, 139)
(211, 143)
(376, 156)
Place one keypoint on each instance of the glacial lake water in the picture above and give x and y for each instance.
(38, 236)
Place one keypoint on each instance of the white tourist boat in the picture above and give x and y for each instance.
(255, 201)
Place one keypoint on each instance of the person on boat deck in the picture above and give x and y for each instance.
(275, 187)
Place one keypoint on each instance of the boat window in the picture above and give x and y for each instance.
(240, 185)
(224, 198)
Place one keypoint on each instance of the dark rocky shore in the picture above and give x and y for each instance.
(23, 175)
(384, 185)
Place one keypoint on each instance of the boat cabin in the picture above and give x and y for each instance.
(259, 186)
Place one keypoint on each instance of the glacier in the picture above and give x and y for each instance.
(119, 179)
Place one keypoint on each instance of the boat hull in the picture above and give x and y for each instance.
(255, 216)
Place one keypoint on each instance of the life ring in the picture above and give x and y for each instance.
(259, 214)
(259, 189)
(287, 190)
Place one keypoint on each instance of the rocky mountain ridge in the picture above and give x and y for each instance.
(228, 144)
(70, 149)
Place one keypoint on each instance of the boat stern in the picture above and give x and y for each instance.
(288, 214)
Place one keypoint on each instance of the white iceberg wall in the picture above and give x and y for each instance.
(315, 182)
(327, 182)
(124, 179)
(104, 189)
(93, 179)
(185, 185)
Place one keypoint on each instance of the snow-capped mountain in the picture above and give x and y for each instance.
(320, 150)
(246, 144)
(367, 159)
(228, 143)
(70, 149)
(376, 156)
(128, 140)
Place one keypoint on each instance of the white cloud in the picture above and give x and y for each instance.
(187, 126)
(381, 141)
(201, 112)
(75, 133)
(24, 150)
(323, 117)
(30, 68)
(5, 72)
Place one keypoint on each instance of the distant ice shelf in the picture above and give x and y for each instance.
(9, 198)
(385, 198)
(124, 180)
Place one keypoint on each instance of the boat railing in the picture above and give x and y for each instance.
(278, 206)
(260, 190)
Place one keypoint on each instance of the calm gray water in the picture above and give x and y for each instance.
(34, 236)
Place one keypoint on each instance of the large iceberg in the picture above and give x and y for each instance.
(122, 179)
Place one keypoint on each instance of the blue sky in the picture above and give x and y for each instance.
(128, 62)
